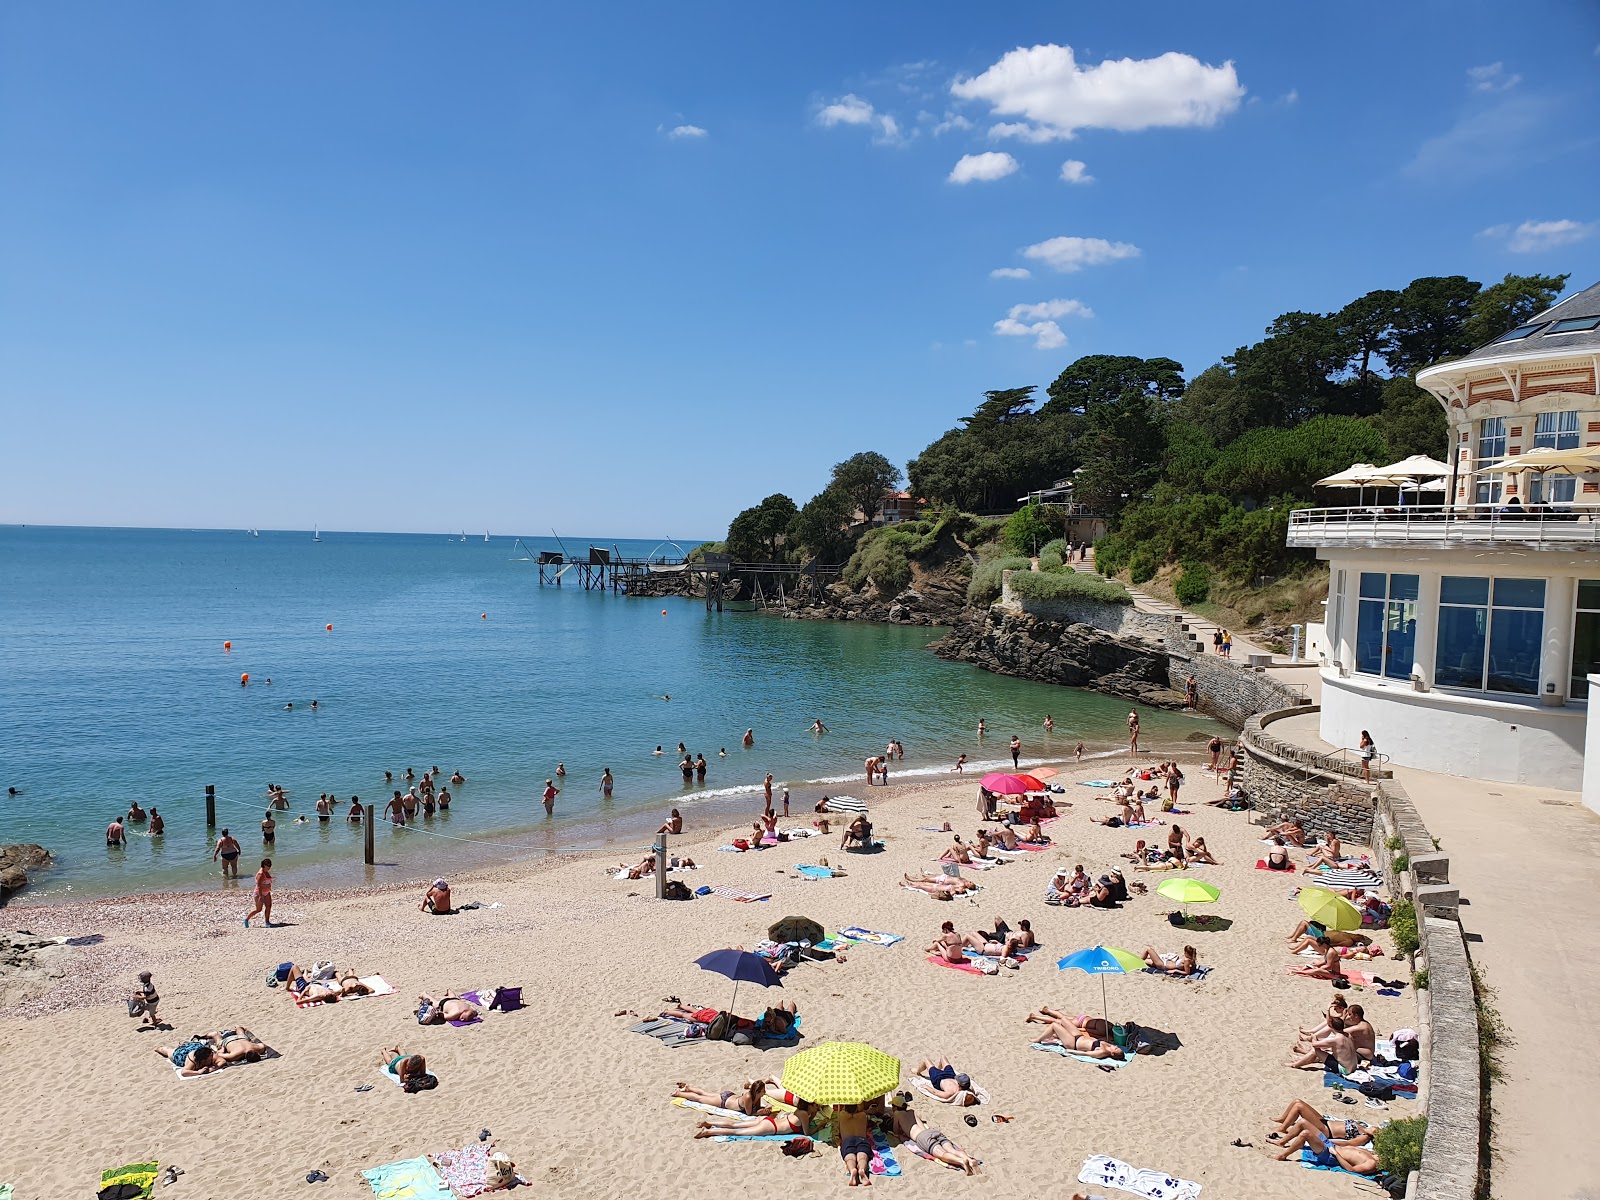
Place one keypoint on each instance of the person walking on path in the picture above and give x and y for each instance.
(1369, 751)
(261, 899)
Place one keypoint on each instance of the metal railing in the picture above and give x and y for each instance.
(1537, 525)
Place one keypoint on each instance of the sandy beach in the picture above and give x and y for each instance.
(581, 1104)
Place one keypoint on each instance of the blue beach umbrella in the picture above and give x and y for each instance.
(740, 966)
(1102, 961)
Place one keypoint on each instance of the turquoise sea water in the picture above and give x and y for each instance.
(114, 685)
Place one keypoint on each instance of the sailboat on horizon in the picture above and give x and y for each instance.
(486, 535)
(316, 535)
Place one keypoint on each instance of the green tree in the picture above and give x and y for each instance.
(757, 534)
(1412, 421)
(1430, 322)
(1002, 451)
(1216, 404)
(1366, 325)
(1501, 307)
(1123, 444)
(1291, 374)
(820, 529)
(865, 478)
(1029, 528)
(1098, 380)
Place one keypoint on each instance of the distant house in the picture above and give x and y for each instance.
(1082, 525)
(897, 507)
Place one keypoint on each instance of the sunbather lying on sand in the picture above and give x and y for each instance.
(1072, 1033)
(952, 1086)
(1327, 967)
(194, 1057)
(237, 1044)
(750, 1099)
(1044, 1015)
(1001, 941)
(1172, 964)
(1330, 1152)
(1339, 937)
(797, 1122)
(942, 887)
(928, 1139)
(449, 1007)
(1301, 1119)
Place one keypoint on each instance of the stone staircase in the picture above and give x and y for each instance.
(1195, 631)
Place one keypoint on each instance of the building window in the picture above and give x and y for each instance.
(1491, 634)
(1386, 625)
(1491, 448)
(1554, 431)
(1585, 638)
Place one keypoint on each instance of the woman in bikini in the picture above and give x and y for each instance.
(262, 898)
(407, 1068)
(941, 886)
(797, 1122)
(1195, 850)
(305, 989)
(350, 984)
(750, 1100)
(948, 945)
(1328, 968)
(1073, 1033)
(1177, 964)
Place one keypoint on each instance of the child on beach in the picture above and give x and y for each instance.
(144, 1001)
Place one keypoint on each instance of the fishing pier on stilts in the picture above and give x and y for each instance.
(724, 583)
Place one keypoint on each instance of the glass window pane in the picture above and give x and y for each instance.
(1589, 593)
(1514, 641)
(1373, 585)
(1403, 587)
(1399, 652)
(1585, 652)
(1519, 593)
(1369, 636)
(1458, 656)
(1470, 589)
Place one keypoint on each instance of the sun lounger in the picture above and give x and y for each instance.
(1106, 1171)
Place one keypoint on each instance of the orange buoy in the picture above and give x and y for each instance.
(244, 679)
(227, 645)
(329, 628)
(483, 616)
(663, 612)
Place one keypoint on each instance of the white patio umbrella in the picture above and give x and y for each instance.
(1577, 461)
(1418, 466)
(1359, 476)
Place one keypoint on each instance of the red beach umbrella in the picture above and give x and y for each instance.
(1004, 785)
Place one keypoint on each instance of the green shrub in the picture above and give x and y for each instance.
(1049, 560)
(1194, 584)
(1403, 924)
(882, 556)
(1111, 554)
(1419, 979)
(1142, 567)
(1056, 546)
(1396, 842)
(1402, 863)
(1063, 586)
(985, 585)
(1029, 528)
(1399, 1145)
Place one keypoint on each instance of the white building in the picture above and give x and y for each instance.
(1463, 634)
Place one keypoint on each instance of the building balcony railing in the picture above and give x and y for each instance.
(1537, 526)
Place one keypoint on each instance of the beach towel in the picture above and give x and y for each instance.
(743, 897)
(1404, 1089)
(1308, 1160)
(1097, 783)
(1155, 1185)
(178, 1071)
(810, 872)
(857, 934)
(5, 1191)
(379, 985)
(411, 1179)
(883, 1159)
(756, 1137)
(969, 966)
(920, 1082)
(132, 1182)
(847, 804)
(1196, 974)
(1057, 1048)
(466, 1171)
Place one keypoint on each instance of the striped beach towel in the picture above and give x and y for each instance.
(743, 897)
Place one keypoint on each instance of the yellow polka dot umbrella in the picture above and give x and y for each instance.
(841, 1073)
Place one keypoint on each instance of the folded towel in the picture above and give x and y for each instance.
(1097, 783)
(139, 1175)
(811, 872)
(1154, 1185)
(1057, 1048)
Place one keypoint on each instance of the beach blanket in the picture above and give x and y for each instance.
(1196, 974)
(969, 966)
(669, 1033)
(810, 872)
(883, 1159)
(1155, 1185)
(410, 1179)
(800, 831)
(742, 897)
(847, 804)
(379, 985)
(132, 1182)
(1404, 1089)
(1261, 865)
(920, 1082)
(466, 1171)
(1057, 1048)
(1097, 783)
(1308, 1160)
(857, 934)
(5, 1191)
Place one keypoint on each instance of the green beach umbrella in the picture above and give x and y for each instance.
(1187, 892)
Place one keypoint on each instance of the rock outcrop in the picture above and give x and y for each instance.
(1070, 653)
(16, 862)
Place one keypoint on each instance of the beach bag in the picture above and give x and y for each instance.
(323, 970)
(282, 973)
(1406, 1046)
(986, 965)
(507, 999)
(500, 1171)
(720, 1025)
(421, 1083)
(1377, 1089)
(676, 889)
(798, 1147)
(741, 844)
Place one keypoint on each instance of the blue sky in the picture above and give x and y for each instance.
(624, 269)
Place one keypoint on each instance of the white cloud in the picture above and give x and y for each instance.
(1073, 171)
(951, 121)
(1492, 78)
(1011, 273)
(1049, 310)
(1046, 85)
(982, 167)
(686, 131)
(1075, 253)
(853, 110)
(1292, 96)
(1508, 134)
(1534, 237)
(1494, 231)
(1047, 335)
(1024, 132)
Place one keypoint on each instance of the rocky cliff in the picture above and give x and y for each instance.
(16, 862)
(1065, 652)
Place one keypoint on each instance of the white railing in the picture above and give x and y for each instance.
(1537, 524)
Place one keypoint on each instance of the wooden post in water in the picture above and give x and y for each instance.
(211, 806)
(366, 836)
(661, 866)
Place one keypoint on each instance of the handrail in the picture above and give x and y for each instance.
(1467, 523)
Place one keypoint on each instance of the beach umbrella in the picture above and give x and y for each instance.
(1187, 892)
(795, 929)
(740, 966)
(1328, 909)
(1035, 784)
(841, 1073)
(1102, 961)
(1004, 785)
(1359, 476)
(1418, 466)
(1044, 772)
